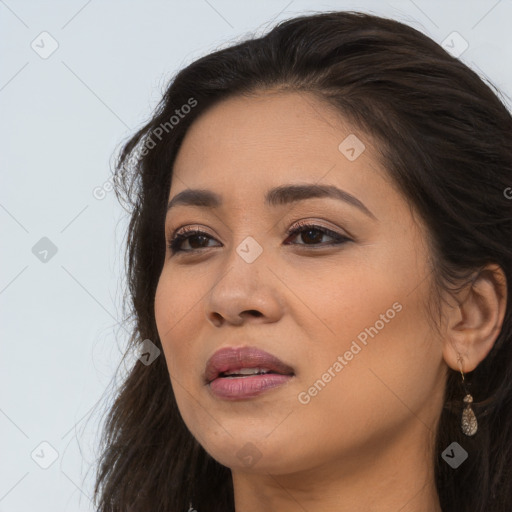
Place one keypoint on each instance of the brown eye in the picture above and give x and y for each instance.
(196, 239)
(312, 235)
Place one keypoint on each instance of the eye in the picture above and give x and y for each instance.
(194, 237)
(311, 234)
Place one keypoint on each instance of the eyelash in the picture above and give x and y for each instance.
(175, 242)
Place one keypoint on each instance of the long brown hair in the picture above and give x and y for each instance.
(445, 139)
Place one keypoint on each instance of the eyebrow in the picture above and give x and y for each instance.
(281, 195)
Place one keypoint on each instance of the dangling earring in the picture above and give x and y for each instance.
(469, 424)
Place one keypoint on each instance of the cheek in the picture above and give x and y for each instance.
(385, 359)
(375, 320)
(389, 383)
(336, 303)
(176, 308)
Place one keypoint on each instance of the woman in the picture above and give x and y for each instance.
(320, 248)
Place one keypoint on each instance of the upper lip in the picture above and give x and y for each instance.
(231, 358)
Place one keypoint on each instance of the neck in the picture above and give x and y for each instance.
(396, 476)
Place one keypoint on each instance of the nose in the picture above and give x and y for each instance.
(244, 292)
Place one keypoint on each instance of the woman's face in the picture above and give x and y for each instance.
(344, 309)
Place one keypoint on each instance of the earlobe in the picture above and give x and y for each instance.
(475, 322)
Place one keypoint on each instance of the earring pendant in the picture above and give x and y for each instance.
(469, 424)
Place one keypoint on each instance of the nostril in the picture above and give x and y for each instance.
(254, 312)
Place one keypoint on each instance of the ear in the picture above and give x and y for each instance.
(473, 325)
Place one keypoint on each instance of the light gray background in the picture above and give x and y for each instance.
(62, 118)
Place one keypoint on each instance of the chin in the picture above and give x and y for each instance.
(254, 452)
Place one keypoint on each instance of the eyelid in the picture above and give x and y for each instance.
(180, 235)
(294, 226)
(315, 224)
(186, 229)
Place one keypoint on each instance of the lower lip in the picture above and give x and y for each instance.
(236, 388)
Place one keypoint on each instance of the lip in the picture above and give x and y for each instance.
(232, 359)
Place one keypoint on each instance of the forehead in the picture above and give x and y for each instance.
(269, 137)
(243, 147)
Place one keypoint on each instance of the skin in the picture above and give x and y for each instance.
(364, 442)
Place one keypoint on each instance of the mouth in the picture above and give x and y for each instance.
(244, 372)
(238, 373)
